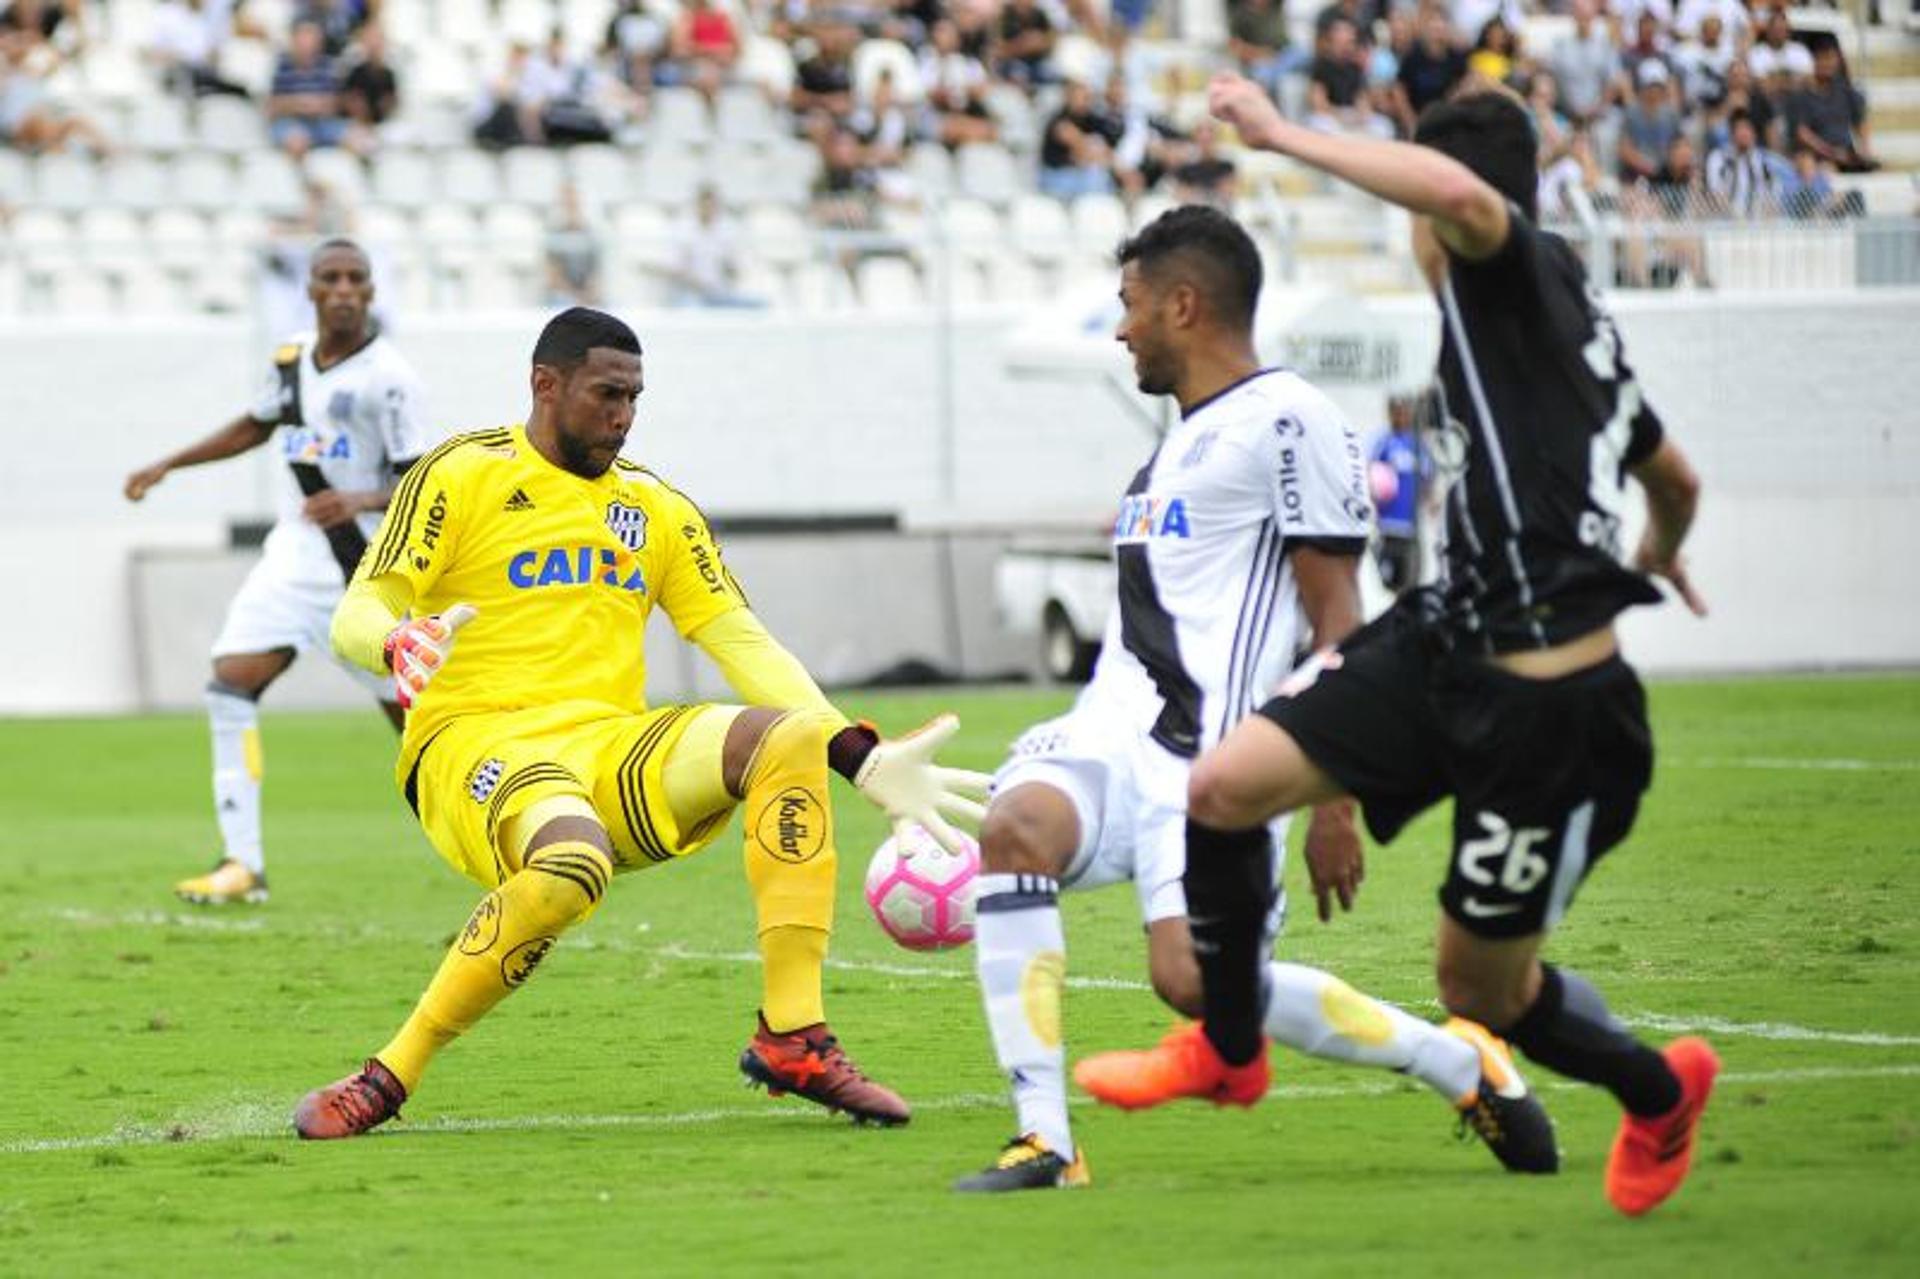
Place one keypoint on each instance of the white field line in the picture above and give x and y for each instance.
(256, 1121)
(1665, 1023)
(1778, 762)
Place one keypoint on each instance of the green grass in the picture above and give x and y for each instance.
(172, 1044)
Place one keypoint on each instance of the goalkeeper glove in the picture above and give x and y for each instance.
(902, 780)
(417, 649)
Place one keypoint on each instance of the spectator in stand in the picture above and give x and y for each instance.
(1648, 126)
(704, 46)
(500, 119)
(1704, 63)
(1025, 46)
(706, 257)
(1679, 188)
(573, 253)
(1743, 95)
(1431, 68)
(1257, 38)
(303, 106)
(1076, 148)
(370, 93)
(339, 21)
(955, 111)
(881, 123)
(823, 84)
(1776, 52)
(846, 195)
(1586, 65)
(1575, 170)
(30, 119)
(185, 44)
(1205, 176)
(58, 22)
(1144, 146)
(1552, 129)
(1808, 191)
(1469, 17)
(1732, 15)
(1336, 86)
(1829, 116)
(563, 100)
(1647, 48)
(1744, 179)
(632, 31)
(1494, 53)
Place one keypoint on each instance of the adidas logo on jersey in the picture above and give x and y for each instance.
(519, 501)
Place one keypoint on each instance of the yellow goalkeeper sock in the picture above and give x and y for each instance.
(510, 932)
(790, 864)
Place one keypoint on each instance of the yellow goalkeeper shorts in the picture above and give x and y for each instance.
(480, 771)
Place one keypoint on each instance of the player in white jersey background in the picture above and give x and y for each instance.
(1239, 540)
(348, 416)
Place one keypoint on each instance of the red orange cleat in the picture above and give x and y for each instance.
(1651, 1156)
(350, 1106)
(1183, 1064)
(810, 1063)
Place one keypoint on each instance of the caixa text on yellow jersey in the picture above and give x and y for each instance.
(575, 566)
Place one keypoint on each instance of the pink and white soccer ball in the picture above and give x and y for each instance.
(921, 894)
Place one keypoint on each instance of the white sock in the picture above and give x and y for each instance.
(1022, 959)
(235, 721)
(1321, 1015)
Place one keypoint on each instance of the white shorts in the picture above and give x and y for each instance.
(272, 612)
(1131, 796)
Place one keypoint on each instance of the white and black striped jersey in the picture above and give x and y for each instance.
(1543, 417)
(1209, 616)
(344, 427)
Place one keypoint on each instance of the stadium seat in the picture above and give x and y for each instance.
(341, 172)
(461, 21)
(1039, 227)
(77, 289)
(874, 58)
(448, 233)
(777, 235)
(888, 283)
(603, 174)
(129, 23)
(469, 176)
(203, 180)
(1013, 279)
(816, 286)
(644, 229)
(965, 283)
(250, 64)
(239, 230)
(1148, 207)
(679, 116)
(487, 284)
(403, 179)
(1020, 123)
(789, 170)
(112, 72)
(1079, 57)
(159, 123)
(135, 182)
(668, 175)
(382, 224)
(744, 114)
(768, 63)
(16, 178)
(407, 27)
(987, 172)
(740, 174)
(930, 166)
(973, 231)
(179, 239)
(66, 182)
(514, 234)
(111, 237)
(1099, 223)
(585, 21)
(42, 234)
(532, 175)
(145, 290)
(441, 71)
(528, 21)
(270, 182)
(231, 125)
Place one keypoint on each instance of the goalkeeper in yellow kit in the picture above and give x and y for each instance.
(527, 560)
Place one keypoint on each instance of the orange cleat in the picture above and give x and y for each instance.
(810, 1063)
(350, 1106)
(1183, 1064)
(1651, 1156)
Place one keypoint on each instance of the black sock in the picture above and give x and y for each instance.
(1569, 1030)
(1229, 882)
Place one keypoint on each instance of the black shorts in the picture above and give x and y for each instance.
(1546, 775)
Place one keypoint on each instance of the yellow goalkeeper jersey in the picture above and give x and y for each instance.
(563, 571)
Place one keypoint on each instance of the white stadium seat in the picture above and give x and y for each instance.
(513, 233)
(973, 230)
(873, 58)
(67, 182)
(113, 72)
(179, 239)
(778, 235)
(441, 71)
(135, 182)
(203, 180)
(987, 172)
(768, 63)
(80, 290)
(159, 123)
(1039, 227)
(270, 182)
(669, 175)
(381, 224)
(678, 115)
(341, 172)
(232, 125)
(601, 173)
(744, 114)
(527, 21)
(403, 178)
(1013, 279)
(469, 176)
(111, 237)
(146, 290)
(888, 284)
(532, 175)
(1099, 223)
(16, 177)
(930, 166)
(42, 233)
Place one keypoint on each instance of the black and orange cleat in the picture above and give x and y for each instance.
(1651, 1156)
(1501, 1110)
(1183, 1064)
(350, 1106)
(810, 1063)
(1028, 1163)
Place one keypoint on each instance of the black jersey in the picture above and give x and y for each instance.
(1542, 418)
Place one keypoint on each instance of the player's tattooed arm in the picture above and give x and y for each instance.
(236, 437)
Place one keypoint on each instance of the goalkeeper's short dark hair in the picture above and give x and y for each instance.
(1489, 132)
(564, 343)
(1206, 248)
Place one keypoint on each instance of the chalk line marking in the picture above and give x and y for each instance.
(252, 1121)
(1790, 763)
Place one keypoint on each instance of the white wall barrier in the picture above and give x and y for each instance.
(1800, 411)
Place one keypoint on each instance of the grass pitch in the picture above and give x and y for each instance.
(596, 1124)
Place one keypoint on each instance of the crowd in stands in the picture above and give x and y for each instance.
(1656, 108)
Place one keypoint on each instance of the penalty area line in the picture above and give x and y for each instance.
(177, 1134)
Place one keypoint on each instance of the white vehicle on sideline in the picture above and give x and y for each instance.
(1060, 593)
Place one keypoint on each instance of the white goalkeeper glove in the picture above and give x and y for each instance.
(902, 780)
(418, 647)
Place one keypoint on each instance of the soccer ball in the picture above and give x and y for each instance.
(921, 894)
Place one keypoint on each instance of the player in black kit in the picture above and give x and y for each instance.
(1501, 687)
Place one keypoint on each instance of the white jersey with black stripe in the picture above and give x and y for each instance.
(1208, 617)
